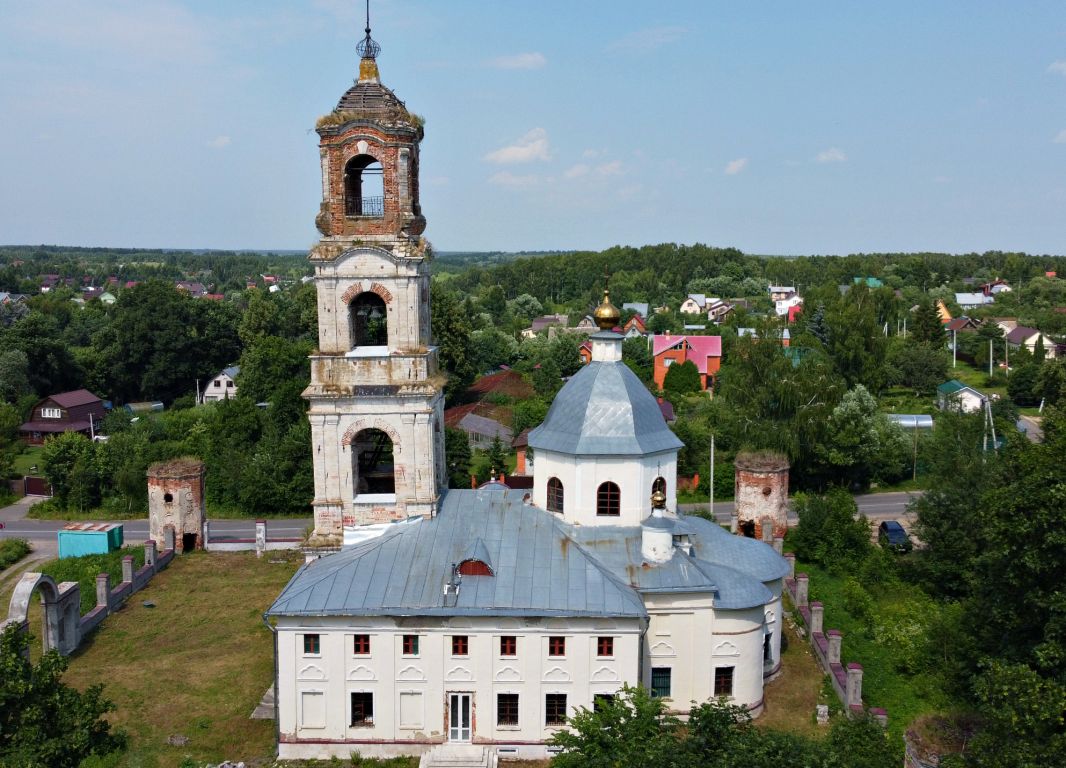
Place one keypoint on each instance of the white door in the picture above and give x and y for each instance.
(459, 716)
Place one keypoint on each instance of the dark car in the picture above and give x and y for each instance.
(890, 535)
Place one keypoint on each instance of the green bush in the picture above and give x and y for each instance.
(12, 550)
(85, 569)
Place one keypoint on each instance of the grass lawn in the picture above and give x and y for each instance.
(791, 698)
(196, 664)
(30, 456)
(976, 378)
(905, 695)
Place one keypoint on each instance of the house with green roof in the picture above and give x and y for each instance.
(955, 394)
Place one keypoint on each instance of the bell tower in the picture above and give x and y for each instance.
(376, 392)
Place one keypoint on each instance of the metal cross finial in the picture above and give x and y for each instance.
(367, 48)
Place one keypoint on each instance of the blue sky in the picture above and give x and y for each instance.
(775, 127)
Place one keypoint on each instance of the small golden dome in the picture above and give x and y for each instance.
(607, 315)
(658, 499)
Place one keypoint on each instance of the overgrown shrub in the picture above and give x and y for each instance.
(12, 550)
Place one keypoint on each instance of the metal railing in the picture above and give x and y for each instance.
(373, 207)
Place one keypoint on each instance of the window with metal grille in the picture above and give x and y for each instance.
(556, 646)
(605, 646)
(660, 681)
(601, 700)
(555, 709)
(608, 500)
(555, 495)
(361, 646)
(723, 681)
(460, 645)
(410, 645)
(506, 709)
(362, 708)
(311, 644)
(508, 645)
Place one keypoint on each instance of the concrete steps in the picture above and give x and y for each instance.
(459, 756)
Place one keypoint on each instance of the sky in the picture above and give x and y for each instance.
(773, 127)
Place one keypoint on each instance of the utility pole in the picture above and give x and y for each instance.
(1006, 357)
(914, 473)
(990, 358)
(711, 485)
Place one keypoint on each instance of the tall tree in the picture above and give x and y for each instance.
(926, 327)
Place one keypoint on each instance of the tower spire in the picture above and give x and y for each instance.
(368, 51)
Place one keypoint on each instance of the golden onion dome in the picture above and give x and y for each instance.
(606, 314)
(658, 499)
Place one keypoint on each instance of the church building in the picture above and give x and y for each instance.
(482, 618)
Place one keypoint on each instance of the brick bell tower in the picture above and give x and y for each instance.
(376, 392)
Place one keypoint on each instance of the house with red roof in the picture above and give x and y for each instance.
(77, 411)
(704, 351)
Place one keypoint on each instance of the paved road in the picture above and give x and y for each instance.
(876, 506)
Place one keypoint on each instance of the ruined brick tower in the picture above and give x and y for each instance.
(176, 501)
(376, 392)
(761, 493)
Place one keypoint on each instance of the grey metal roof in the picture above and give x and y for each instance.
(232, 371)
(604, 410)
(538, 569)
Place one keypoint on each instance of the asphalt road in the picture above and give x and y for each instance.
(876, 506)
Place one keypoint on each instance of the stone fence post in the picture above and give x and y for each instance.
(206, 534)
(801, 590)
(816, 617)
(734, 521)
(103, 590)
(854, 685)
(791, 559)
(779, 544)
(835, 639)
(149, 553)
(260, 537)
(168, 538)
(127, 568)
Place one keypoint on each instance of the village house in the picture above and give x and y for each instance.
(543, 323)
(77, 411)
(781, 292)
(480, 619)
(995, 287)
(955, 394)
(1021, 336)
(973, 300)
(194, 289)
(635, 327)
(788, 307)
(694, 304)
(221, 387)
(704, 351)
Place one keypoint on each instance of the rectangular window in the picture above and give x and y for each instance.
(218, 383)
(508, 645)
(411, 709)
(362, 645)
(555, 709)
(506, 709)
(601, 700)
(362, 708)
(410, 645)
(723, 681)
(556, 646)
(605, 646)
(51, 413)
(311, 644)
(229, 385)
(460, 645)
(660, 681)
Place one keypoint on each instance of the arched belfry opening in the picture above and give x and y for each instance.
(368, 317)
(373, 463)
(364, 189)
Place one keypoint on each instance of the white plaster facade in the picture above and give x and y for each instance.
(411, 690)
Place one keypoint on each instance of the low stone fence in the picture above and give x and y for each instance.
(64, 628)
(846, 680)
(260, 544)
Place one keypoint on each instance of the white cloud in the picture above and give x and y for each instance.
(532, 60)
(647, 40)
(733, 167)
(589, 154)
(831, 155)
(532, 146)
(576, 171)
(1060, 137)
(1057, 67)
(613, 168)
(219, 142)
(508, 179)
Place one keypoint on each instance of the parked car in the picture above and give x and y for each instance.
(892, 536)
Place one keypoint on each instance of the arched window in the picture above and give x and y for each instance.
(474, 568)
(608, 500)
(555, 495)
(363, 187)
(368, 317)
(372, 463)
(659, 485)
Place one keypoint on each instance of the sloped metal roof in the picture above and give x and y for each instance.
(539, 571)
(604, 410)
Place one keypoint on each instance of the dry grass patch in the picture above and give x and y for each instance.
(196, 664)
(791, 698)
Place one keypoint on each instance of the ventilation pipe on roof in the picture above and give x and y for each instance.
(451, 588)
